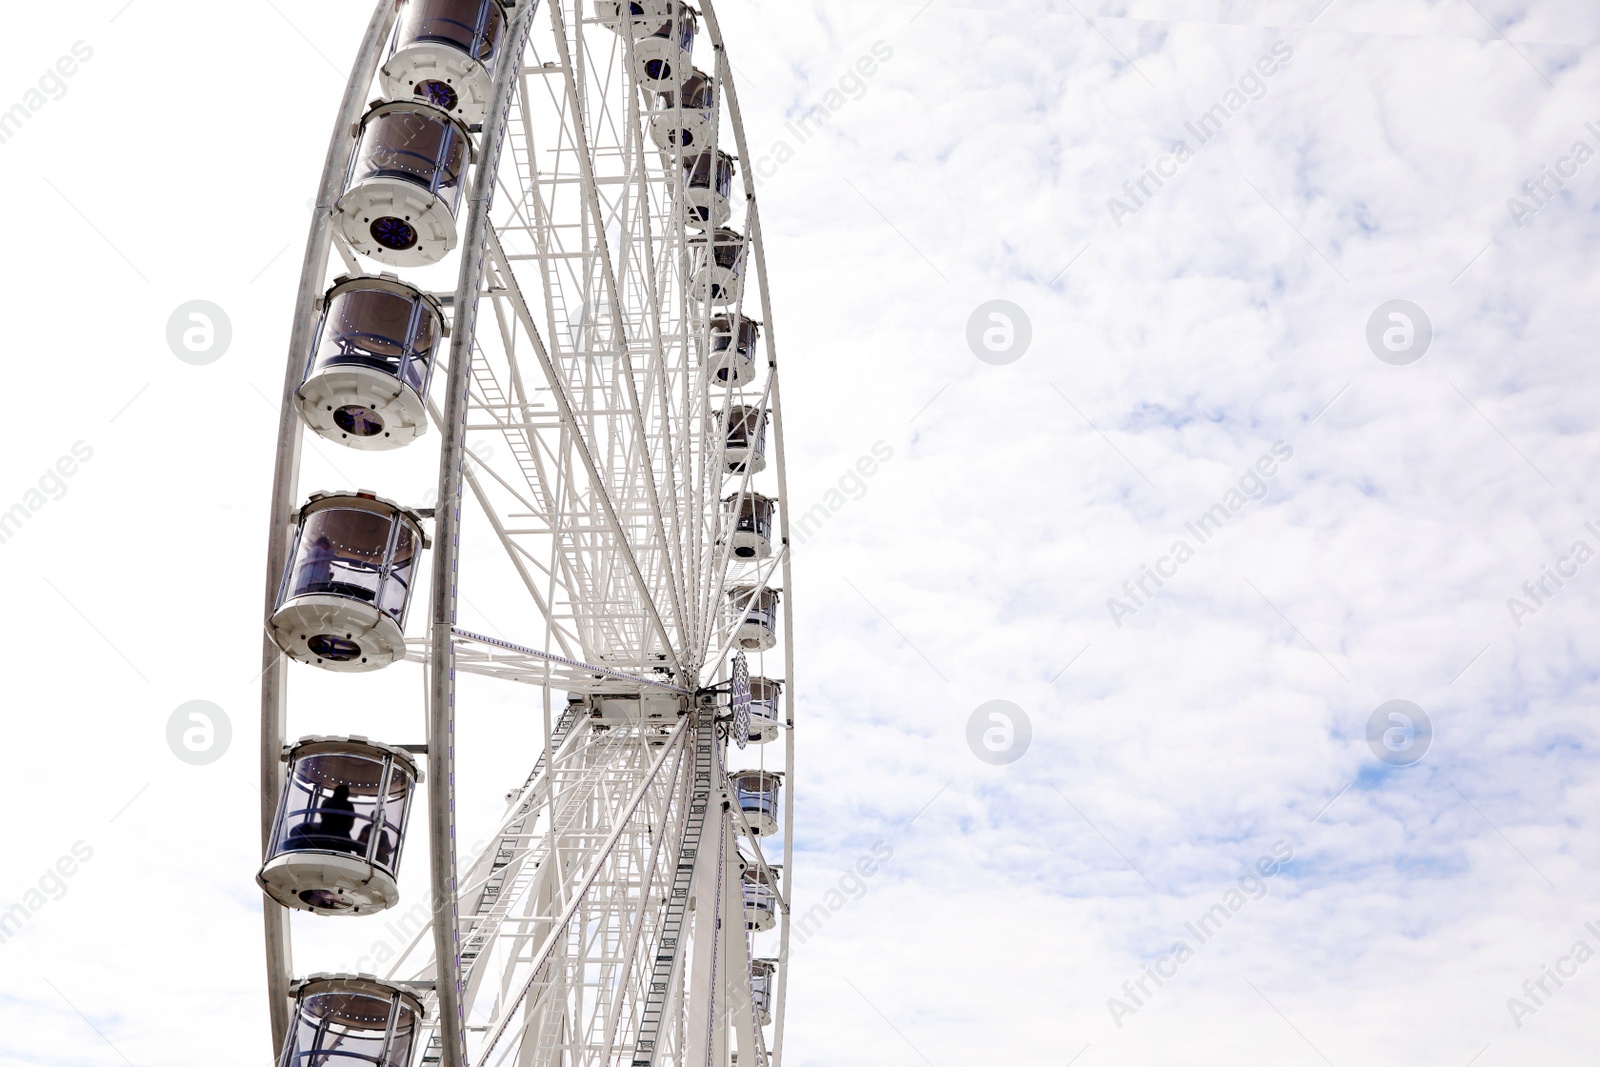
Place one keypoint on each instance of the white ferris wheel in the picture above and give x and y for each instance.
(529, 263)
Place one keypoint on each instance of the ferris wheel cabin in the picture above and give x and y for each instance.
(756, 793)
(765, 719)
(444, 53)
(688, 114)
(744, 444)
(707, 183)
(760, 901)
(749, 515)
(644, 17)
(663, 58)
(405, 184)
(371, 362)
(718, 266)
(342, 604)
(733, 351)
(352, 1020)
(340, 826)
(761, 975)
(755, 615)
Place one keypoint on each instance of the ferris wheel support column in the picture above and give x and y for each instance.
(447, 539)
(704, 975)
(285, 486)
(740, 1009)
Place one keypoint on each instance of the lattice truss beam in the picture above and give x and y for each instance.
(605, 470)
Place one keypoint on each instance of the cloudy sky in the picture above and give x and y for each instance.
(1197, 377)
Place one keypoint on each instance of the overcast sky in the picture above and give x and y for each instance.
(1369, 508)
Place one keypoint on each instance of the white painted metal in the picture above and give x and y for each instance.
(579, 432)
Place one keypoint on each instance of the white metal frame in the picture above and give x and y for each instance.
(597, 928)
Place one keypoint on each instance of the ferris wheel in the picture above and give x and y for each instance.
(529, 271)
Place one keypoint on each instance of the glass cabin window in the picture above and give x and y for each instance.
(698, 171)
(763, 610)
(397, 584)
(345, 1029)
(340, 553)
(427, 151)
(764, 694)
(380, 329)
(758, 895)
(474, 26)
(754, 515)
(698, 93)
(744, 424)
(729, 253)
(346, 803)
(758, 794)
(347, 552)
(723, 331)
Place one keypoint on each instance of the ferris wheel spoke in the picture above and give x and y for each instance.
(600, 856)
(598, 485)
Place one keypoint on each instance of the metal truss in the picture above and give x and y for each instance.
(605, 924)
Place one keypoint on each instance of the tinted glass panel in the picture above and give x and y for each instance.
(379, 329)
(340, 553)
(397, 586)
(331, 803)
(474, 26)
(339, 1029)
(413, 147)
